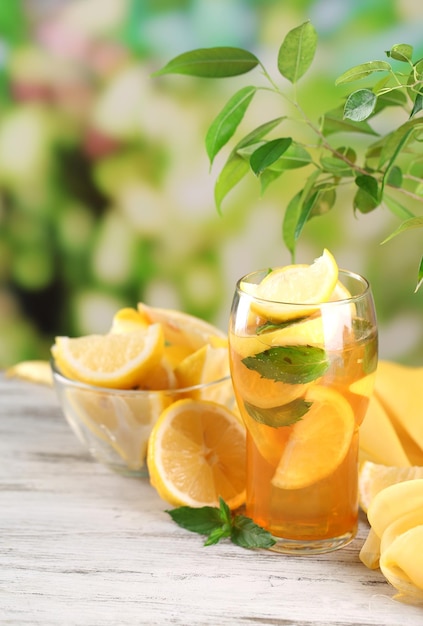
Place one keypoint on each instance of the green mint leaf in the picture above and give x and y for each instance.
(217, 534)
(248, 534)
(227, 121)
(268, 153)
(216, 62)
(278, 416)
(360, 105)
(225, 512)
(202, 520)
(289, 364)
(297, 52)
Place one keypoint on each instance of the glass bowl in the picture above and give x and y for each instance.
(114, 425)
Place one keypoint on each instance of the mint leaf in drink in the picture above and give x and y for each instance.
(203, 520)
(289, 364)
(218, 523)
(284, 415)
(248, 534)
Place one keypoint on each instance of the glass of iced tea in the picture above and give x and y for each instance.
(303, 354)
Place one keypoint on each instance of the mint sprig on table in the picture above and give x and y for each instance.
(218, 523)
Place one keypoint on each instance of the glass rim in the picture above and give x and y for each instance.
(63, 380)
(352, 298)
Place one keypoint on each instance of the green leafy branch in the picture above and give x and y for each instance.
(389, 170)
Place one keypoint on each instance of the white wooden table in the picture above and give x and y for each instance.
(80, 545)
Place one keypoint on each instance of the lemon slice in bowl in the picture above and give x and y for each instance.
(196, 454)
(113, 360)
(301, 285)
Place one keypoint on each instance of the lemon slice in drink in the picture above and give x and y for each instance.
(301, 285)
(196, 454)
(319, 441)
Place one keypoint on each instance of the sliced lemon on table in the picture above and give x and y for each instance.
(196, 454)
(36, 371)
(319, 441)
(299, 284)
(112, 360)
(373, 477)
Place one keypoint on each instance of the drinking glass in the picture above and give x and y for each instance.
(302, 376)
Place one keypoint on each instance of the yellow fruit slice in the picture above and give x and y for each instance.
(298, 284)
(181, 328)
(379, 441)
(402, 563)
(400, 526)
(32, 371)
(196, 454)
(370, 550)
(203, 366)
(399, 389)
(113, 360)
(307, 332)
(373, 477)
(393, 502)
(159, 377)
(319, 441)
(128, 320)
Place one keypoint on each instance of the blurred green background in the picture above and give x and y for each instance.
(106, 197)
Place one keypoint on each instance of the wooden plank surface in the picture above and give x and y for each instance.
(80, 545)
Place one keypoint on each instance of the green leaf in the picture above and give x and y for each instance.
(225, 512)
(413, 222)
(325, 199)
(362, 71)
(216, 62)
(364, 202)
(401, 52)
(419, 276)
(360, 105)
(397, 139)
(305, 213)
(268, 177)
(278, 416)
(258, 133)
(402, 212)
(230, 175)
(290, 220)
(268, 153)
(334, 122)
(391, 98)
(369, 185)
(294, 157)
(217, 534)
(202, 520)
(248, 534)
(395, 177)
(297, 52)
(418, 104)
(289, 364)
(336, 166)
(227, 121)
